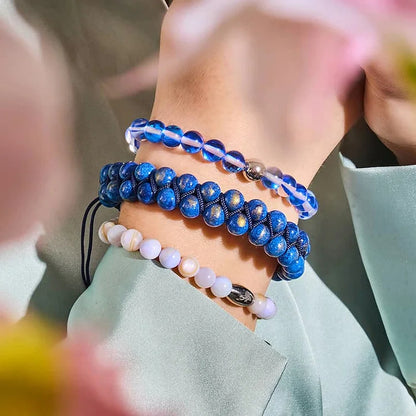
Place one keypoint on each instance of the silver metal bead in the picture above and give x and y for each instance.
(241, 296)
(254, 170)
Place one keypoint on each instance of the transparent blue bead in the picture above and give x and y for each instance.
(276, 246)
(289, 256)
(288, 180)
(171, 136)
(127, 191)
(189, 206)
(233, 161)
(145, 194)
(192, 142)
(213, 150)
(304, 215)
(134, 146)
(233, 199)
(292, 232)
(164, 176)
(278, 221)
(300, 197)
(143, 170)
(210, 191)
(186, 183)
(126, 170)
(214, 215)
(257, 209)
(272, 178)
(104, 173)
(297, 266)
(259, 235)
(153, 131)
(166, 199)
(112, 192)
(237, 224)
(135, 130)
(102, 195)
(113, 171)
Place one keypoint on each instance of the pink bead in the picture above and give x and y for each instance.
(114, 234)
(205, 277)
(258, 305)
(269, 311)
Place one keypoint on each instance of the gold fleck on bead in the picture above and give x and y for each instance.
(254, 170)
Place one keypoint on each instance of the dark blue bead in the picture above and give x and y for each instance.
(210, 191)
(270, 178)
(104, 173)
(289, 180)
(237, 224)
(295, 267)
(136, 128)
(291, 276)
(301, 196)
(102, 194)
(127, 191)
(307, 251)
(192, 141)
(153, 131)
(143, 171)
(171, 136)
(213, 150)
(280, 275)
(276, 246)
(278, 221)
(303, 239)
(289, 256)
(166, 199)
(145, 194)
(186, 183)
(233, 161)
(292, 232)
(259, 235)
(189, 206)
(126, 170)
(112, 192)
(214, 215)
(233, 199)
(164, 176)
(113, 172)
(257, 209)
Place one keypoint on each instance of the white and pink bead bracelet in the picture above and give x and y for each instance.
(132, 240)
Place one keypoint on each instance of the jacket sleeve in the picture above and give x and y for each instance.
(383, 208)
(182, 353)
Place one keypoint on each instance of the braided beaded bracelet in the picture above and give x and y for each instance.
(213, 150)
(144, 183)
(220, 286)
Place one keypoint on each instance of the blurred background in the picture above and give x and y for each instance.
(101, 38)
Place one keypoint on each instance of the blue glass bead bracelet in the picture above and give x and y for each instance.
(142, 182)
(303, 200)
(132, 240)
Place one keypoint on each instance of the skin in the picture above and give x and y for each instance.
(207, 99)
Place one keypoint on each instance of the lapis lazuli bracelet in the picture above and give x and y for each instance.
(144, 183)
(213, 150)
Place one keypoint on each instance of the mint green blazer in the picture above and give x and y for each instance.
(185, 355)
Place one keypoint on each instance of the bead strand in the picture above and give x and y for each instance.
(302, 199)
(143, 182)
(220, 286)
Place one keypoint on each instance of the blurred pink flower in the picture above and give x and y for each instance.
(34, 134)
(292, 57)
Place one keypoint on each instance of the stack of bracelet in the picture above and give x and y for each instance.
(188, 267)
(213, 150)
(144, 183)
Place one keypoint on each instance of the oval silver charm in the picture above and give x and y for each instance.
(254, 170)
(241, 296)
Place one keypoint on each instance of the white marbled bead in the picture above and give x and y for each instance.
(269, 310)
(222, 287)
(205, 277)
(150, 248)
(131, 239)
(169, 257)
(103, 230)
(188, 267)
(114, 234)
(258, 305)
